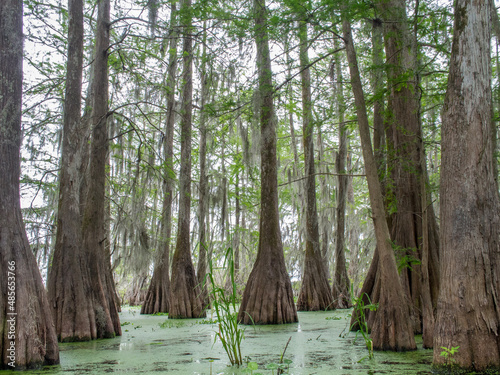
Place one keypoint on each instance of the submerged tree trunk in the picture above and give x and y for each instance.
(158, 295)
(315, 293)
(391, 328)
(68, 281)
(468, 311)
(268, 296)
(186, 299)
(107, 322)
(27, 335)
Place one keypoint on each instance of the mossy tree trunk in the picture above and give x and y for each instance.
(27, 334)
(468, 311)
(268, 296)
(185, 291)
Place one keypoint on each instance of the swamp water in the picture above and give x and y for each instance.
(156, 345)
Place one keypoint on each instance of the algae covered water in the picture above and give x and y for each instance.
(319, 344)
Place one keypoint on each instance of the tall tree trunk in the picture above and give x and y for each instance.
(298, 185)
(237, 230)
(341, 283)
(495, 20)
(315, 293)
(203, 201)
(468, 311)
(268, 296)
(27, 337)
(327, 215)
(158, 295)
(136, 292)
(404, 194)
(407, 167)
(378, 104)
(68, 281)
(391, 328)
(185, 291)
(107, 322)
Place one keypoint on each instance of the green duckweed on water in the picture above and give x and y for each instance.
(156, 345)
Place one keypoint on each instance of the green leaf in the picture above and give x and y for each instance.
(252, 366)
(272, 366)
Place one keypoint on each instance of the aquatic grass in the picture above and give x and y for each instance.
(333, 318)
(170, 323)
(361, 307)
(207, 321)
(229, 332)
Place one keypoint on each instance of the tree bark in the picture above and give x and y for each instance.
(408, 162)
(107, 322)
(68, 282)
(237, 230)
(391, 329)
(405, 187)
(298, 185)
(185, 291)
(468, 312)
(158, 295)
(341, 283)
(315, 293)
(27, 334)
(203, 191)
(136, 292)
(268, 296)
(378, 104)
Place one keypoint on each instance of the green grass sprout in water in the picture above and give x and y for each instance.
(229, 332)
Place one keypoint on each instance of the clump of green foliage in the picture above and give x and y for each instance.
(160, 314)
(405, 257)
(449, 354)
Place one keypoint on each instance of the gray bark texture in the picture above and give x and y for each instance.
(468, 311)
(107, 322)
(31, 331)
(68, 282)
